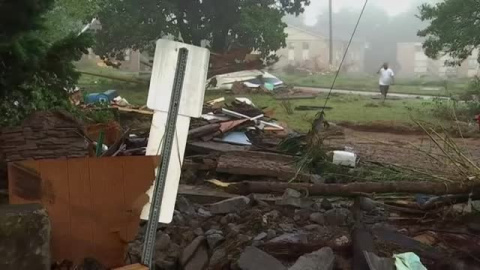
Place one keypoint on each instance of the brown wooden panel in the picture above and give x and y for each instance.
(138, 175)
(56, 198)
(93, 203)
(82, 217)
(25, 183)
(108, 193)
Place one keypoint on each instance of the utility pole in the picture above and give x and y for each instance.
(330, 16)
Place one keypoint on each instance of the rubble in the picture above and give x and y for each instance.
(25, 234)
(253, 258)
(244, 204)
(232, 205)
(323, 259)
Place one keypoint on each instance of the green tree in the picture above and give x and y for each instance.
(68, 16)
(34, 73)
(454, 29)
(222, 24)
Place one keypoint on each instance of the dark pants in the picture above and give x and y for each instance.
(384, 90)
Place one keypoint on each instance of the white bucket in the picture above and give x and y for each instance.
(344, 158)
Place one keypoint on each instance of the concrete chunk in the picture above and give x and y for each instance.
(232, 205)
(25, 234)
(254, 259)
(322, 259)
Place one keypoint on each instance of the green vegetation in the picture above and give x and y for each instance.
(35, 72)
(457, 37)
(225, 24)
(364, 82)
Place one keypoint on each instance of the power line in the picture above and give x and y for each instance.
(344, 56)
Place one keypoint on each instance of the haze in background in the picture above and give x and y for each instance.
(384, 24)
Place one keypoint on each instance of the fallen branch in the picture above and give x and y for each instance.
(353, 189)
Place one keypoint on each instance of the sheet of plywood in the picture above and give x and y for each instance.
(56, 198)
(90, 202)
(82, 219)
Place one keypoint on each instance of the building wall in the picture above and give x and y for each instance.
(131, 62)
(311, 52)
(414, 62)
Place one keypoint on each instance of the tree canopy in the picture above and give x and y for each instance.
(219, 24)
(454, 29)
(34, 72)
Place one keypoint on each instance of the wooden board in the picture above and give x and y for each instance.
(91, 202)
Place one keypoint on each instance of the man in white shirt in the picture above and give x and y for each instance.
(386, 79)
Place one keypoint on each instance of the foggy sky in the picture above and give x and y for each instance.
(391, 7)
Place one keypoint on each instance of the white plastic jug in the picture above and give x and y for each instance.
(344, 158)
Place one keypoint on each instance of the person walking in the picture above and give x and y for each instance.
(386, 79)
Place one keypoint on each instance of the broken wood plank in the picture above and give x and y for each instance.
(203, 130)
(354, 189)
(208, 195)
(214, 147)
(260, 164)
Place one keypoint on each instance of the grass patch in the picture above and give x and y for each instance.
(417, 86)
(347, 108)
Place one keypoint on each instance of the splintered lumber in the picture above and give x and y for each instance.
(354, 189)
(259, 164)
(203, 130)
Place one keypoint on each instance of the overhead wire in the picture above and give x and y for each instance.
(344, 57)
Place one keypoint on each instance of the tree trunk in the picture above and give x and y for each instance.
(354, 189)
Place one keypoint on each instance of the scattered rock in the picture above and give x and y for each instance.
(195, 255)
(313, 227)
(218, 258)
(338, 217)
(260, 237)
(213, 231)
(242, 238)
(295, 202)
(254, 259)
(270, 216)
(198, 231)
(204, 213)
(271, 234)
(261, 203)
(292, 193)
(342, 241)
(286, 227)
(234, 228)
(290, 238)
(317, 179)
(322, 259)
(318, 218)
(189, 251)
(301, 215)
(25, 237)
(214, 240)
(162, 242)
(233, 205)
(230, 218)
(165, 264)
(326, 204)
(184, 206)
(366, 204)
(178, 218)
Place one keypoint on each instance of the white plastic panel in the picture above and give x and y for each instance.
(154, 147)
(163, 74)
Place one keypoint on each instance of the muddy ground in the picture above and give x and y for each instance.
(406, 150)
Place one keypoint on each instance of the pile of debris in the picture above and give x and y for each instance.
(250, 233)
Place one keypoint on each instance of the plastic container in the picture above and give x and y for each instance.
(344, 158)
(96, 98)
